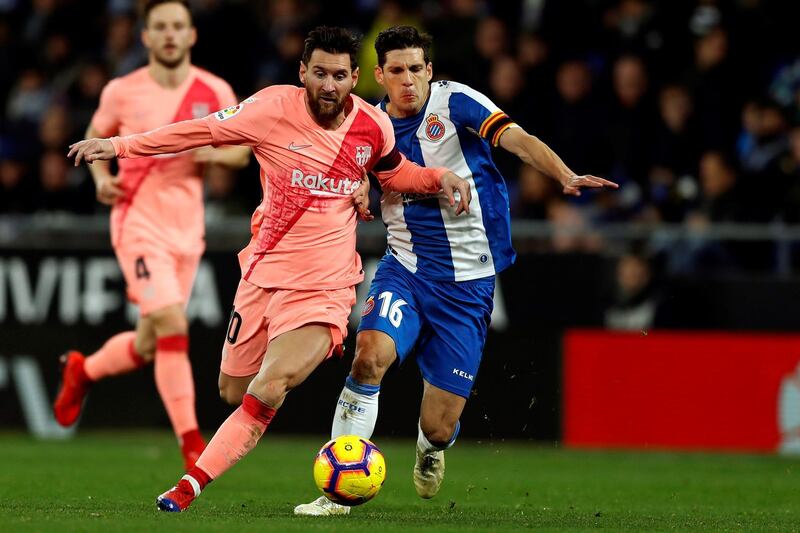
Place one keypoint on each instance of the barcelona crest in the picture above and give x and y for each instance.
(363, 155)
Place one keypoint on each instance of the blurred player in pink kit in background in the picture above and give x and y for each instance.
(157, 226)
(315, 145)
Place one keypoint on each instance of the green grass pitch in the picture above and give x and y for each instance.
(108, 481)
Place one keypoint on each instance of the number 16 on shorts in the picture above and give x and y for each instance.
(391, 308)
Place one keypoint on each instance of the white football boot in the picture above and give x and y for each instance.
(322, 506)
(428, 472)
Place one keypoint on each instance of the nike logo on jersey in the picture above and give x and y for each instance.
(295, 147)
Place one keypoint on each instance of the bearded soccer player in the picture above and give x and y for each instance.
(433, 291)
(315, 145)
(156, 220)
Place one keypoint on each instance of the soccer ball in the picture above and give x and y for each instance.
(349, 470)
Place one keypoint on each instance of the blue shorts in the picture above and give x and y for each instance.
(443, 322)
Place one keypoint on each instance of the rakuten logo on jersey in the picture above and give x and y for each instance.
(324, 186)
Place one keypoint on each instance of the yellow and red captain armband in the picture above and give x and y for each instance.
(494, 126)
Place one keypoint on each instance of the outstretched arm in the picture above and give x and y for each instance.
(165, 140)
(537, 154)
(169, 139)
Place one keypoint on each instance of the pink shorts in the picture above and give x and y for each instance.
(156, 278)
(259, 315)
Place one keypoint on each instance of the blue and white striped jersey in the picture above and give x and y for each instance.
(454, 130)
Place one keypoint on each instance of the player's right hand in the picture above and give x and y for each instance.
(109, 189)
(361, 198)
(452, 184)
(90, 150)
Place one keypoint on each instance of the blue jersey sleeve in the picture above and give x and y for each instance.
(471, 109)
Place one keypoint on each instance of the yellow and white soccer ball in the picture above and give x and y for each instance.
(349, 470)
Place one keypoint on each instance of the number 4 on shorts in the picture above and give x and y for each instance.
(391, 309)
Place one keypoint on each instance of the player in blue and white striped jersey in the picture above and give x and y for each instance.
(433, 290)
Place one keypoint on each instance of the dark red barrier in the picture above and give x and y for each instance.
(694, 390)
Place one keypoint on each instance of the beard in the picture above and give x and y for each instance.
(169, 62)
(325, 111)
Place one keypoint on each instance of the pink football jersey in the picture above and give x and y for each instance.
(163, 203)
(308, 173)
(303, 232)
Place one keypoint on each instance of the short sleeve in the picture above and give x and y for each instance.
(247, 122)
(471, 109)
(106, 119)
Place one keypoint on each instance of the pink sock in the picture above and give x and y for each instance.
(236, 436)
(174, 382)
(117, 356)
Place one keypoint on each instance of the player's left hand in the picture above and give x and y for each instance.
(452, 184)
(574, 184)
(90, 150)
(361, 198)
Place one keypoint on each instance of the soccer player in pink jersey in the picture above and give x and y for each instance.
(315, 145)
(156, 220)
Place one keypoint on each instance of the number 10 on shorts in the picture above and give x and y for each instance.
(390, 309)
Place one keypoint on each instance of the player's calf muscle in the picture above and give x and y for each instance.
(231, 396)
(439, 414)
(280, 374)
(232, 389)
(273, 385)
(271, 391)
(438, 431)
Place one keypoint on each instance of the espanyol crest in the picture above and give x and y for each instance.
(369, 305)
(435, 127)
(363, 155)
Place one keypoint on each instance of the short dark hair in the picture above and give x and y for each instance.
(334, 40)
(149, 5)
(400, 38)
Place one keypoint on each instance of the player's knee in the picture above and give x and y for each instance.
(170, 321)
(371, 361)
(367, 369)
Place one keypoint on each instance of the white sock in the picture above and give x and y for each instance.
(194, 483)
(356, 410)
(426, 446)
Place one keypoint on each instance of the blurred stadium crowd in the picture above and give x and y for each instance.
(694, 107)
